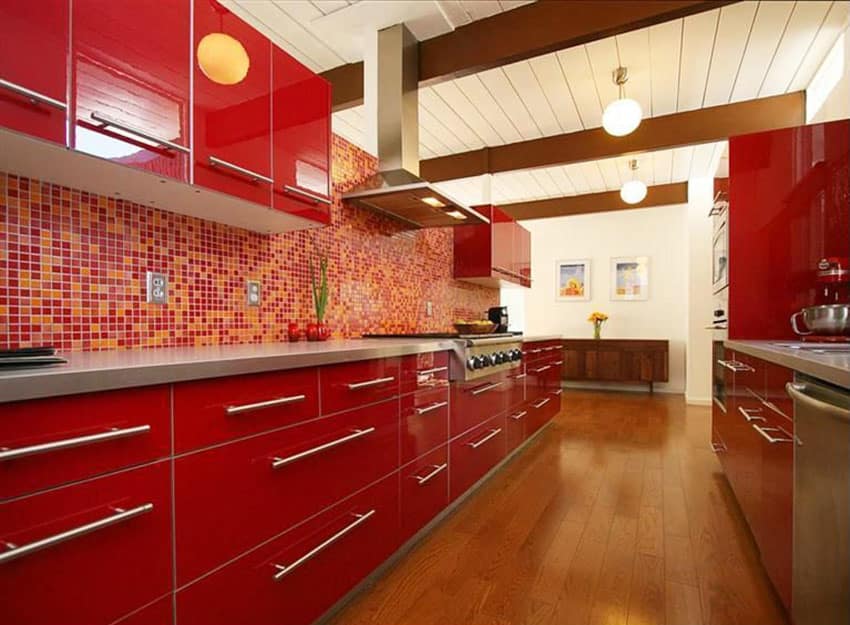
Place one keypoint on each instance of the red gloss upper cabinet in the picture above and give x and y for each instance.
(130, 68)
(33, 58)
(301, 126)
(493, 254)
(503, 253)
(522, 254)
(232, 123)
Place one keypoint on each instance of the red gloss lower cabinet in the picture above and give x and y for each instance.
(424, 371)
(476, 401)
(424, 490)
(424, 422)
(232, 497)
(296, 577)
(101, 574)
(160, 612)
(353, 384)
(516, 426)
(475, 453)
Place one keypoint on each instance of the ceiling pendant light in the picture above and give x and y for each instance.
(222, 58)
(623, 115)
(633, 191)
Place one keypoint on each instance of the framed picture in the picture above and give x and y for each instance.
(630, 278)
(573, 280)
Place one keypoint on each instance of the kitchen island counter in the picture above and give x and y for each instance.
(821, 364)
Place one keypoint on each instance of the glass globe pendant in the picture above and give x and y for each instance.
(623, 115)
(221, 57)
(633, 191)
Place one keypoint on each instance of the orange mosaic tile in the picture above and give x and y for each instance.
(72, 268)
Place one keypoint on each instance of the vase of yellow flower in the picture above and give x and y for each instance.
(597, 319)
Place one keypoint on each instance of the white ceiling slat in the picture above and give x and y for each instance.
(513, 188)
(768, 27)
(454, 12)
(593, 176)
(702, 159)
(832, 27)
(507, 5)
(579, 75)
(682, 163)
(662, 166)
(432, 143)
(503, 92)
(468, 112)
(603, 61)
(436, 106)
(479, 9)
(664, 47)
(548, 72)
(559, 176)
(327, 6)
(802, 28)
(610, 175)
(542, 177)
(697, 45)
(525, 82)
(476, 92)
(439, 130)
(733, 29)
(576, 176)
(625, 171)
(531, 188)
(634, 54)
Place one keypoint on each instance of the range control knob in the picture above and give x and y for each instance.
(516, 354)
(487, 360)
(498, 358)
(471, 363)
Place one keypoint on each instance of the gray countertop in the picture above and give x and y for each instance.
(530, 338)
(100, 371)
(834, 368)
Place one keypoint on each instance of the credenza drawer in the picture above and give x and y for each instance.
(353, 384)
(232, 497)
(49, 442)
(296, 577)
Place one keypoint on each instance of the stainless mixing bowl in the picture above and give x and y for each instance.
(831, 320)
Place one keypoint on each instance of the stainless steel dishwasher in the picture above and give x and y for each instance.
(821, 577)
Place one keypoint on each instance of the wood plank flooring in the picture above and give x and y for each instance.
(618, 514)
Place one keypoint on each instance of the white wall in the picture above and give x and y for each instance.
(660, 233)
(828, 94)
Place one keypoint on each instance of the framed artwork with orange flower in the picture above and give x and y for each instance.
(630, 278)
(572, 280)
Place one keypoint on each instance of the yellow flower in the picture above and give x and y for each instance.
(597, 317)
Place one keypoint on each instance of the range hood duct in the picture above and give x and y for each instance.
(397, 189)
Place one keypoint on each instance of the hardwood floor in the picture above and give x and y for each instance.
(618, 514)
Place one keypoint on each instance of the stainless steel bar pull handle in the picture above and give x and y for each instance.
(558, 392)
(484, 389)
(121, 515)
(307, 194)
(520, 376)
(519, 415)
(432, 407)
(271, 403)
(254, 176)
(424, 479)
(542, 369)
(356, 385)
(541, 403)
(106, 121)
(68, 443)
(358, 433)
(434, 370)
(492, 434)
(558, 362)
(756, 416)
(285, 569)
(33, 96)
(765, 433)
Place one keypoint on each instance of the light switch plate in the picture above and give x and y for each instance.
(253, 292)
(157, 288)
(429, 309)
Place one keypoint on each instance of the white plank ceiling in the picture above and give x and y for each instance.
(654, 168)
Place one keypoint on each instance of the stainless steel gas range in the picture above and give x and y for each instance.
(475, 355)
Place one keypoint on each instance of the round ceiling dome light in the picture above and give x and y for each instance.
(633, 191)
(623, 115)
(223, 59)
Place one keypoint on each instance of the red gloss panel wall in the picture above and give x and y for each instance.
(789, 203)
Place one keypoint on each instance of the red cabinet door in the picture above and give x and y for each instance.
(336, 550)
(232, 123)
(424, 422)
(424, 490)
(130, 67)
(473, 245)
(516, 426)
(424, 371)
(475, 453)
(359, 383)
(476, 401)
(522, 251)
(502, 227)
(33, 58)
(301, 140)
(116, 559)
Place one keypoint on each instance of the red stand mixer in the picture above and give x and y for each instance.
(829, 320)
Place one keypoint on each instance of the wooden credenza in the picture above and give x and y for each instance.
(616, 360)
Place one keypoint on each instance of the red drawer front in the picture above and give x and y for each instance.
(475, 402)
(35, 52)
(230, 498)
(424, 422)
(212, 411)
(160, 612)
(90, 434)
(475, 453)
(516, 426)
(515, 381)
(776, 379)
(245, 591)
(537, 379)
(358, 383)
(541, 410)
(424, 490)
(99, 575)
(424, 371)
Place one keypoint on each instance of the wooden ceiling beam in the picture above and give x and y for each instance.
(523, 33)
(657, 195)
(715, 123)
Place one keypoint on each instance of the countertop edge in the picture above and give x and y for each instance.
(56, 382)
(803, 363)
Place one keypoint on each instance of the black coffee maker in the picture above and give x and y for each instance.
(499, 316)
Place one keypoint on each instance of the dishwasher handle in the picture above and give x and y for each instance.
(801, 393)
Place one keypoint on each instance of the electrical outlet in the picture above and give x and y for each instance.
(253, 290)
(429, 309)
(157, 288)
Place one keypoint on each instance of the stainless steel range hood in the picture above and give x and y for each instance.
(397, 189)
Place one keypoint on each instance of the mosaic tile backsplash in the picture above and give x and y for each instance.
(72, 269)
